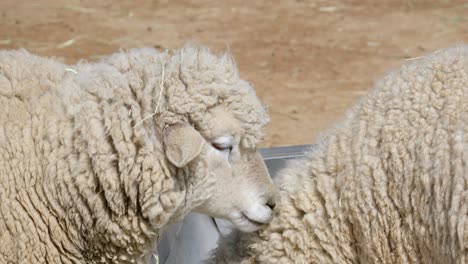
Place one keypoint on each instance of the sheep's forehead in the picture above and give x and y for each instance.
(221, 123)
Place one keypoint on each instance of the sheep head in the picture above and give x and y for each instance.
(213, 121)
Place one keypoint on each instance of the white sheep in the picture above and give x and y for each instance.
(96, 158)
(389, 184)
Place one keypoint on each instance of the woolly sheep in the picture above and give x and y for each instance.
(96, 158)
(387, 185)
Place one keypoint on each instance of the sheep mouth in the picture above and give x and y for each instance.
(251, 221)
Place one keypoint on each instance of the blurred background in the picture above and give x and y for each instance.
(309, 60)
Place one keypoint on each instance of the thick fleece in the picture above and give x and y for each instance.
(388, 185)
(83, 175)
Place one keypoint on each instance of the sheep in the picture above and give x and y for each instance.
(96, 158)
(388, 184)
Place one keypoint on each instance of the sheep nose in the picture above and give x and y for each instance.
(271, 203)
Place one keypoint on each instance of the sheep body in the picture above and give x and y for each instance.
(83, 173)
(387, 185)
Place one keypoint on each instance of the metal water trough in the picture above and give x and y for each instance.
(191, 241)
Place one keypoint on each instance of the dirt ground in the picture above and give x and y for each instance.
(309, 60)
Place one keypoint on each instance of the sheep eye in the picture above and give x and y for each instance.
(222, 147)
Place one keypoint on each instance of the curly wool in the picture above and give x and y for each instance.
(83, 175)
(387, 185)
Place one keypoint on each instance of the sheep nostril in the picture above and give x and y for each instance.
(271, 204)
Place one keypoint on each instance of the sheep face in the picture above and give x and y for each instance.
(231, 181)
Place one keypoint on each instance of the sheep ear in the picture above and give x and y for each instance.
(182, 143)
